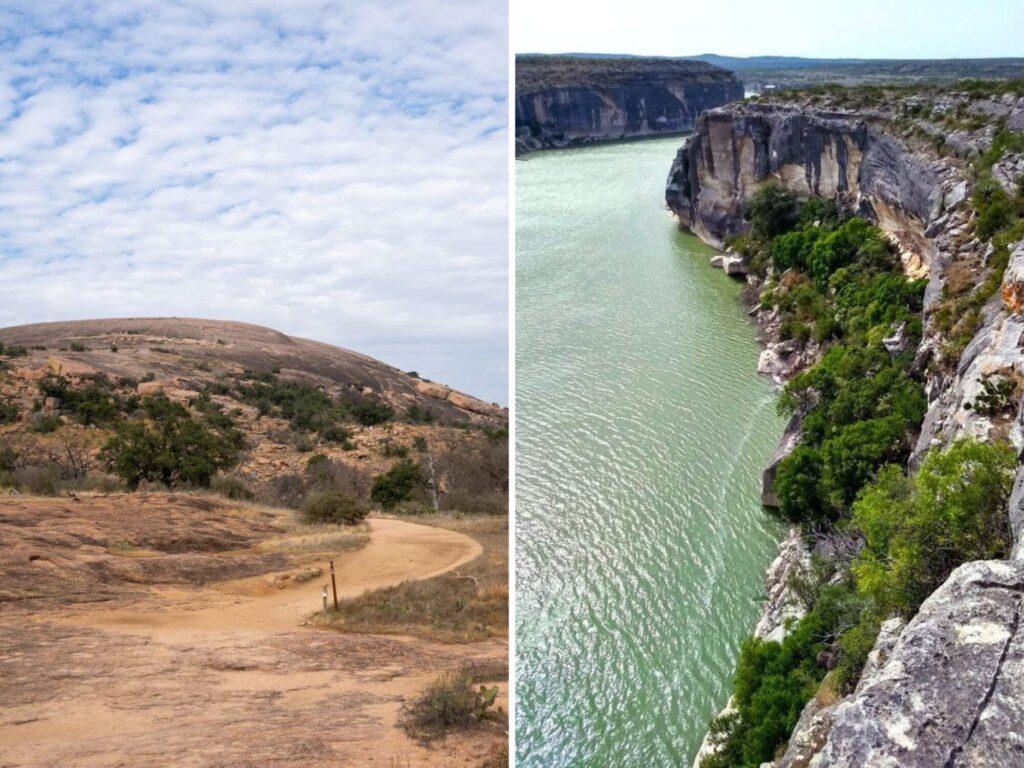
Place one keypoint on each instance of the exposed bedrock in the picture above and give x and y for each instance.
(997, 349)
(949, 693)
(561, 101)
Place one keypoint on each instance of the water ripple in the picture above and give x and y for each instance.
(642, 430)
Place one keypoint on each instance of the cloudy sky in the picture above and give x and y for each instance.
(904, 29)
(336, 171)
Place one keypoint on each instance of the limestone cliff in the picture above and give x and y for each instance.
(562, 101)
(945, 689)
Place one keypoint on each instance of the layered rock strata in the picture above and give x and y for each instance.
(563, 101)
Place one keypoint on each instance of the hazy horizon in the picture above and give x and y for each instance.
(875, 29)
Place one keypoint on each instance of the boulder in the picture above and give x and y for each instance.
(949, 693)
(181, 395)
(433, 389)
(784, 359)
(896, 343)
(735, 265)
(72, 369)
(146, 388)
(787, 444)
(815, 723)
(1016, 512)
(956, 194)
(467, 403)
(30, 374)
(782, 604)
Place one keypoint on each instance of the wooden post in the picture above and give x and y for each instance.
(334, 587)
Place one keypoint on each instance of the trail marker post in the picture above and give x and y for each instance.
(334, 588)
(325, 598)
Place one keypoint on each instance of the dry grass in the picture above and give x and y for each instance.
(453, 701)
(463, 606)
(325, 538)
(498, 757)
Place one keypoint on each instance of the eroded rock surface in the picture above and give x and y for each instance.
(734, 150)
(949, 694)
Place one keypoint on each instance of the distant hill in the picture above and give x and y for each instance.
(539, 72)
(798, 71)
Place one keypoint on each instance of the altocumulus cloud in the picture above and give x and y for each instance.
(336, 170)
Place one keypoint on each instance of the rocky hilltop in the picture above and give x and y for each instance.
(262, 401)
(563, 100)
(924, 165)
(193, 352)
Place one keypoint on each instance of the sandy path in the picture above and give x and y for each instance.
(397, 552)
(226, 676)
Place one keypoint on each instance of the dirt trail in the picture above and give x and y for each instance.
(225, 675)
(397, 552)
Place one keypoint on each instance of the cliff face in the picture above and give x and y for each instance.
(735, 150)
(946, 689)
(563, 101)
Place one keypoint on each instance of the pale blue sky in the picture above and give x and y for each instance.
(904, 29)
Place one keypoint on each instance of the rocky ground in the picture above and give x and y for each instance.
(183, 354)
(153, 630)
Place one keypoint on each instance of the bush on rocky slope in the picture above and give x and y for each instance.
(842, 279)
(916, 531)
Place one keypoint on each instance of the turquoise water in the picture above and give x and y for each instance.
(642, 429)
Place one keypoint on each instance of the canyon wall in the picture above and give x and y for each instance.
(947, 689)
(564, 101)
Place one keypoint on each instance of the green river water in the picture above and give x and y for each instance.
(642, 430)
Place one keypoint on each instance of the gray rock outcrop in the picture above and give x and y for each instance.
(949, 694)
(789, 442)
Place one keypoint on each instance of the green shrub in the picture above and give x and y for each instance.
(452, 701)
(397, 484)
(13, 350)
(9, 457)
(96, 403)
(918, 530)
(335, 433)
(316, 459)
(392, 450)
(996, 398)
(418, 415)
(335, 508)
(9, 412)
(797, 484)
(851, 458)
(44, 424)
(372, 412)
